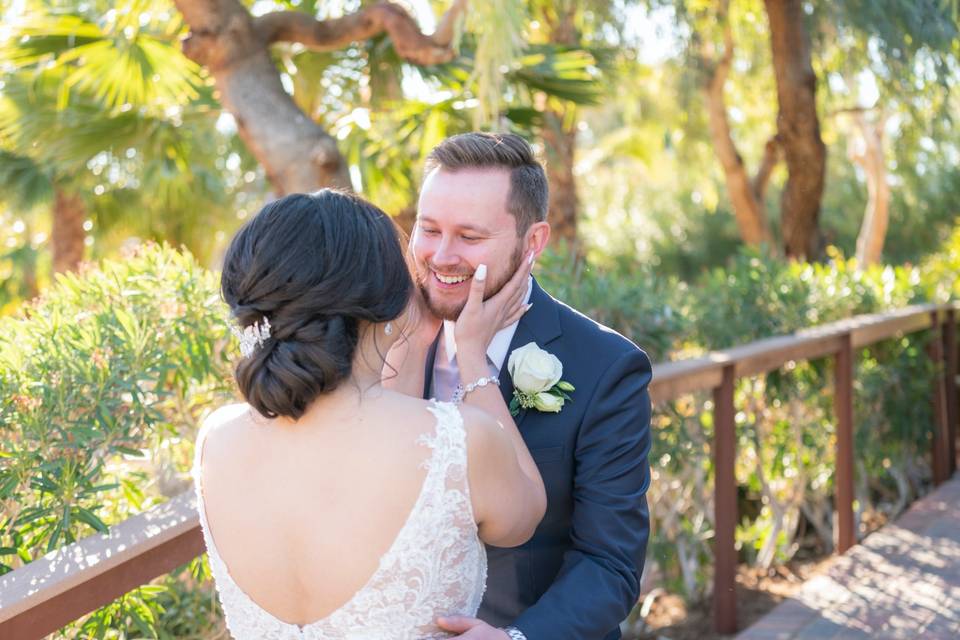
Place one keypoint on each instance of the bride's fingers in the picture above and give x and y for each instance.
(517, 303)
(520, 285)
(519, 279)
(457, 624)
(477, 286)
(516, 315)
(516, 287)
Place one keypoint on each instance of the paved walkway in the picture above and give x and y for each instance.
(902, 581)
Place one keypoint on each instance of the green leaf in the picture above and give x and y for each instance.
(53, 542)
(9, 484)
(88, 517)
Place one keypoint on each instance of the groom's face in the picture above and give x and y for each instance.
(463, 222)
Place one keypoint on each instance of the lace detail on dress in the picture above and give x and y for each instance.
(435, 566)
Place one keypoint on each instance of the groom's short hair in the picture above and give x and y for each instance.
(528, 196)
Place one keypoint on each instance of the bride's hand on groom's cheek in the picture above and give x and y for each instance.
(481, 319)
(471, 628)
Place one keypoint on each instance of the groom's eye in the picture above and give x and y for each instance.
(471, 238)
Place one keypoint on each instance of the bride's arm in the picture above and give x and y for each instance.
(475, 329)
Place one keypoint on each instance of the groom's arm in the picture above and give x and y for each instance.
(599, 581)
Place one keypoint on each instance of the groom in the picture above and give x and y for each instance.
(484, 201)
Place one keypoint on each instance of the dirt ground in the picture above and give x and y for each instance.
(757, 593)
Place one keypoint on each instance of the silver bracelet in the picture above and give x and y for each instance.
(514, 633)
(462, 391)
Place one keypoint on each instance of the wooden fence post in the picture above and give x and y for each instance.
(953, 412)
(941, 434)
(843, 411)
(725, 505)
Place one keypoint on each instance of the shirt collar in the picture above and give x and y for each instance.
(497, 351)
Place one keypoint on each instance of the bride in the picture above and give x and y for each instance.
(333, 507)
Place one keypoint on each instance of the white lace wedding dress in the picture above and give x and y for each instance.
(435, 566)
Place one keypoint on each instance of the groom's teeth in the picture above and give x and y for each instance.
(450, 279)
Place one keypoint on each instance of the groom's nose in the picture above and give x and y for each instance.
(446, 253)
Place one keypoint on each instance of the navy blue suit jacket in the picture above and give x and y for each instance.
(578, 577)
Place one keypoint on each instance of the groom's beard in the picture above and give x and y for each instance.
(452, 311)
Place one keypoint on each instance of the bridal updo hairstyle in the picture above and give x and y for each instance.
(315, 266)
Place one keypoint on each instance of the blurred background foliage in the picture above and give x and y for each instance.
(115, 147)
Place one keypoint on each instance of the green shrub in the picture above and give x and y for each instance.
(103, 381)
(634, 300)
(941, 281)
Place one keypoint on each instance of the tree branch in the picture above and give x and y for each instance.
(324, 35)
(717, 108)
(748, 208)
(771, 156)
(296, 153)
(850, 111)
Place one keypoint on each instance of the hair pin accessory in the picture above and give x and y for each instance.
(252, 336)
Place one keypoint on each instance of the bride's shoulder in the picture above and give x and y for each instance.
(224, 423)
(223, 417)
(485, 435)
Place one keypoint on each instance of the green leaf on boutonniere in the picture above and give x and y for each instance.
(514, 406)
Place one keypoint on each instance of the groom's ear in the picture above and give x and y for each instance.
(538, 235)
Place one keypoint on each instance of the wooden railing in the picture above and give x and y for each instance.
(719, 371)
(66, 584)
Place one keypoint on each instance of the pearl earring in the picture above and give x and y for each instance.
(388, 328)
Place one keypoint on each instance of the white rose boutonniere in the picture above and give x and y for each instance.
(536, 380)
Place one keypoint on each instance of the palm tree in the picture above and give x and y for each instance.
(79, 91)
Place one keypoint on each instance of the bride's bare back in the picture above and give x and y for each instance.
(301, 512)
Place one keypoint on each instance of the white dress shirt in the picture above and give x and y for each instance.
(446, 374)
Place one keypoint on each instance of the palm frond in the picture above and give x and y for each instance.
(41, 38)
(567, 73)
(119, 63)
(23, 183)
(499, 26)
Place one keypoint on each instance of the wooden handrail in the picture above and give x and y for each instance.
(64, 585)
(52, 591)
(673, 379)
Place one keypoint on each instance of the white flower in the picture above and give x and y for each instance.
(534, 370)
(548, 402)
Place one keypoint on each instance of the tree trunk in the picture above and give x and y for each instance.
(746, 195)
(876, 217)
(67, 234)
(559, 134)
(798, 128)
(296, 153)
(559, 142)
(28, 264)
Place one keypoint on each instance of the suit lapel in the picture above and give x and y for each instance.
(540, 325)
